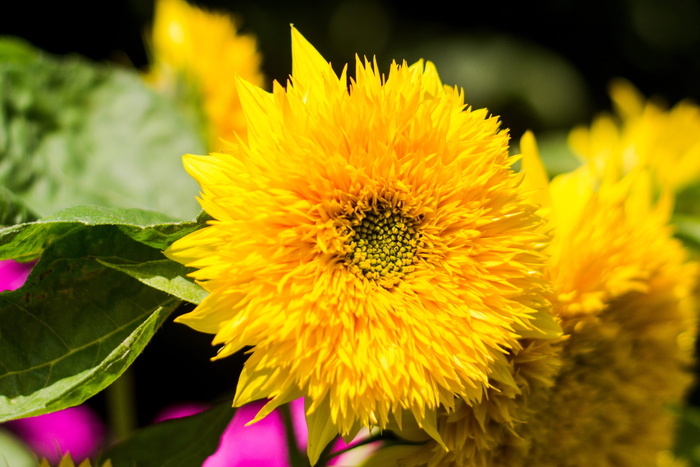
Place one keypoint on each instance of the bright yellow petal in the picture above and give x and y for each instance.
(322, 431)
(535, 179)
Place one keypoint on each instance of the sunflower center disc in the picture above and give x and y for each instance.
(384, 244)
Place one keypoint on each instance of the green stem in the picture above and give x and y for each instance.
(388, 437)
(121, 406)
(296, 458)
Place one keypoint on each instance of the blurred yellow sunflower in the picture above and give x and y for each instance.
(667, 459)
(624, 297)
(197, 55)
(644, 132)
(370, 242)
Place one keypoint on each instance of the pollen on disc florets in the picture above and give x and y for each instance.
(383, 243)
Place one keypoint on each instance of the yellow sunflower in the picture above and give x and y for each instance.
(624, 296)
(667, 459)
(369, 242)
(199, 53)
(644, 132)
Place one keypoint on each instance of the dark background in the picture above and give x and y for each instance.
(543, 66)
(524, 60)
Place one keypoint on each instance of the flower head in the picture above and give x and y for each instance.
(644, 132)
(198, 52)
(369, 242)
(624, 296)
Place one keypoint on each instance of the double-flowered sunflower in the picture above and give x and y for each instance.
(624, 298)
(196, 55)
(370, 242)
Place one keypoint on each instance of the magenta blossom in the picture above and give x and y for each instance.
(77, 430)
(264, 442)
(13, 274)
(180, 410)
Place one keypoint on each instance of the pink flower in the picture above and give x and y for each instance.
(13, 274)
(180, 410)
(264, 442)
(77, 430)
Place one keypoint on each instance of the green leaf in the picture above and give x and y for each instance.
(73, 132)
(165, 275)
(98, 293)
(181, 442)
(27, 241)
(75, 325)
(100, 215)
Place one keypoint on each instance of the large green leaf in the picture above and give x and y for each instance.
(165, 275)
(182, 442)
(75, 325)
(73, 132)
(80, 320)
(27, 241)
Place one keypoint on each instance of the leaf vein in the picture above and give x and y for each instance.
(74, 350)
